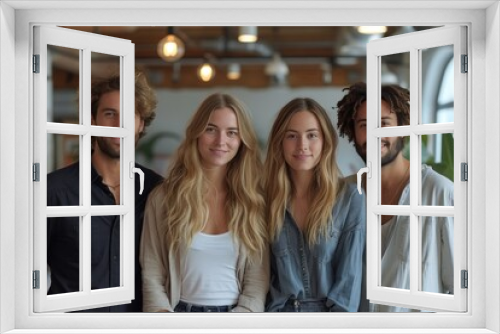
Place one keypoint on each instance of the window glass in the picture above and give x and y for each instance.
(394, 70)
(438, 84)
(64, 255)
(63, 73)
(106, 188)
(105, 252)
(446, 90)
(436, 237)
(394, 191)
(394, 250)
(105, 66)
(437, 153)
(63, 151)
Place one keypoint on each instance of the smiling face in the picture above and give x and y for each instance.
(303, 142)
(390, 146)
(220, 141)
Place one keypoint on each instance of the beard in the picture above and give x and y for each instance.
(361, 150)
(107, 149)
(394, 149)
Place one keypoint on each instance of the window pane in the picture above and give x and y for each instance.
(437, 254)
(437, 170)
(63, 77)
(395, 191)
(63, 170)
(106, 110)
(437, 84)
(63, 254)
(105, 252)
(394, 70)
(446, 90)
(395, 252)
(105, 182)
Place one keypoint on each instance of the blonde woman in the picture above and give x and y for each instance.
(316, 221)
(204, 245)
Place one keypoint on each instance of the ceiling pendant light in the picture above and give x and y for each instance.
(372, 30)
(206, 71)
(171, 48)
(247, 34)
(233, 71)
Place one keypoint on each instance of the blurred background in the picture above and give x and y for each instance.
(265, 67)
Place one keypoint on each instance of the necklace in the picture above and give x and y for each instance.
(110, 186)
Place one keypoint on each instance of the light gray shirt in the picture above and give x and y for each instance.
(437, 244)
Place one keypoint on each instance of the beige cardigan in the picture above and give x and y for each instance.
(161, 269)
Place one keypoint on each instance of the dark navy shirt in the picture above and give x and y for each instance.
(329, 270)
(63, 235)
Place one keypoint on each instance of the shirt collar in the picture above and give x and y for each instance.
(94, 175)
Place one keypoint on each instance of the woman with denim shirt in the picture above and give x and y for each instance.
(316, 221)
(204, 246)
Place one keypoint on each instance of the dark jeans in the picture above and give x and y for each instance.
(186, 307)
(305, 305)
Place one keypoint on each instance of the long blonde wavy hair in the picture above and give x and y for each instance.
(278, 184)
(185, 187)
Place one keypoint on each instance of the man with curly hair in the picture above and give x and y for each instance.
(437, 190)
(63, 251)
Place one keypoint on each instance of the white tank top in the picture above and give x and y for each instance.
(209, 271)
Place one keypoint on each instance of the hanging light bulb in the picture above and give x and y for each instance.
(372, 30)
(247, 35)
(171, 48)
(206, 71)
(233, 71)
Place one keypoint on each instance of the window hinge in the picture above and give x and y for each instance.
(465, 64)
(465, 279)
(36, 172)
(36, 63)
(464, 171)
(36, 279)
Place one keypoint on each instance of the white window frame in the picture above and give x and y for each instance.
(86, 43)
(412, 44)
(483, 19)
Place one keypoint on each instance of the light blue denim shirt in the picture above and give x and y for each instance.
(331, 269)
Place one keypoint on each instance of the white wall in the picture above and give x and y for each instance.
(492, 161)
(175, 107)
(7, 166)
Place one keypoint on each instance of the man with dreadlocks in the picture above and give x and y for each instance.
(437, 190)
